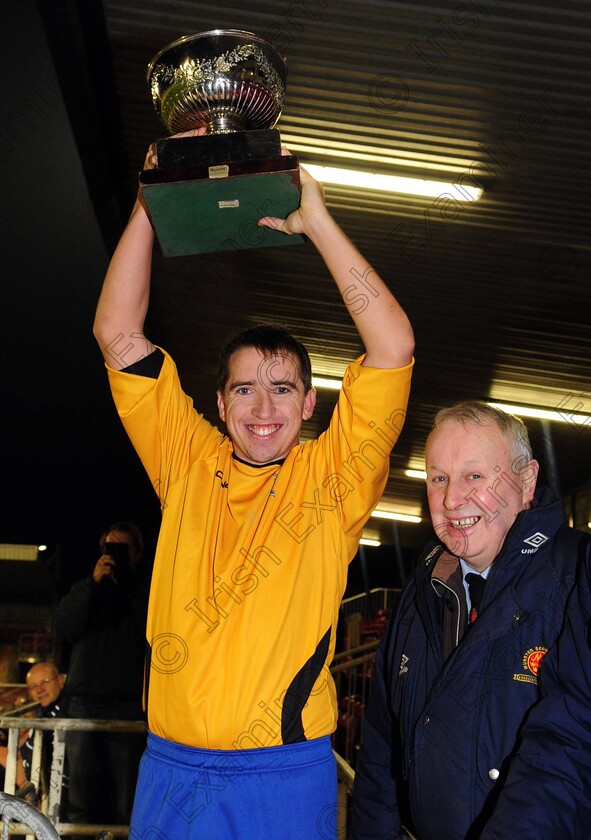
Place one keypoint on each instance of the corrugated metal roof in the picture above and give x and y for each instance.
(493, 92)
(488, 92)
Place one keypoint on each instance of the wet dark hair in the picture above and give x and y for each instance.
(125, 528)
(269, 339)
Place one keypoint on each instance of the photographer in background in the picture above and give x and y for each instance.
(103, 616)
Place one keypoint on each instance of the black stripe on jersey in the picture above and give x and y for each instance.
(298, 693)
(149, 365)
(147, 666)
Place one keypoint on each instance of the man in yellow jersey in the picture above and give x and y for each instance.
(257, 533)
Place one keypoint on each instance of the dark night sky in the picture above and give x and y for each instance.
(68, 469)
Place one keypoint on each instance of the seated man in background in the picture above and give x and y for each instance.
(457, 670)
(45, 686)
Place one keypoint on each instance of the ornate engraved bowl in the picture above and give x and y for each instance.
(223, 80)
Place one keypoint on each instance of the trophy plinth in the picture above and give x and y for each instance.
(209, 190)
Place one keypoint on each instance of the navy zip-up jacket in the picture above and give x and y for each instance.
(548, 792)
(439, 735)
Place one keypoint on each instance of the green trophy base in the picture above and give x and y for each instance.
(206, 209)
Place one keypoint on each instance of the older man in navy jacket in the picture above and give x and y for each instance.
(457, 670)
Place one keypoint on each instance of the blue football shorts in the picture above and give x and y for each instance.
(273, 793)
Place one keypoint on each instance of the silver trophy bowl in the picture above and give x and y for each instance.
(222, 81)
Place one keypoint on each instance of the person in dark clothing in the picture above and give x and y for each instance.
(46, 685)
(548, 791)
(104, 617)
(457, 671)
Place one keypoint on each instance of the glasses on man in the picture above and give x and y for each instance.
(41, 682)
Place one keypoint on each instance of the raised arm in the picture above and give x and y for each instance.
(380, 320)
(123, 304)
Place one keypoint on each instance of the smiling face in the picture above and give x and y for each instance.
(44, 683)
(263, 404)
(476, 486)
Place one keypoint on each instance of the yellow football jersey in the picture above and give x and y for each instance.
(252, 561)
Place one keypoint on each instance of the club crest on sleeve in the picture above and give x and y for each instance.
(532, 659)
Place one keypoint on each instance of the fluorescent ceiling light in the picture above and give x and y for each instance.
(545, 413)
(391, 183)
(12, 551)
(398, 517)
(366, 541)
(416, 474)
(324, 382)
(321, 146)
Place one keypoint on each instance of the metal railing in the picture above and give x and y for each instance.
(370, 603)
(364, 618)
(351, 670)
(50, 799)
